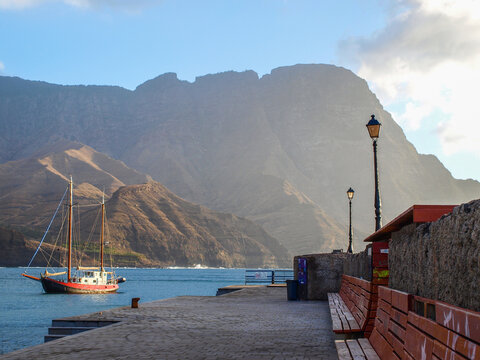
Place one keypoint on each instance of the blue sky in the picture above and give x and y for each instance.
(125, 46)
(418, 56)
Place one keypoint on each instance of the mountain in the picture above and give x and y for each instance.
(148, 225)
(31, 188)
(280, 150)
(150, 220)
(14, 244)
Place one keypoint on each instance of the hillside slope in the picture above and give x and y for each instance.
(149, 225)
(31, 188)
(150, 220)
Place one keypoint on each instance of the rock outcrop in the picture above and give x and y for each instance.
(169, 231)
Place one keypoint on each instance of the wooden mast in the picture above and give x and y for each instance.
(101, 235)
(70, 213)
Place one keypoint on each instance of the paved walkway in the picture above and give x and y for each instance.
(254, 323)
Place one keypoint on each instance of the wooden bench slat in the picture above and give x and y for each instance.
(396, 329)
(417, 344)
(385, 293)
(342, 319)
(354, 301)
(465, 322)
(443, 352)
(368, 349)
(355, 349)
(345, 324)
(342, 350)
(353, 325)
(401, 300)
(399, 317)
(397, 344)
(336, 323)
(406, 356)
(381, 346)
(446, 337)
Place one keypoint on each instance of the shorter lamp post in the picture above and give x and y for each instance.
(373, 127)
(350, 193)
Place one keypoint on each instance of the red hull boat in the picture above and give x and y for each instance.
(86, 280)
(54, 286)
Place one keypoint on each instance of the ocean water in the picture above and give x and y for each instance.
(26, 311)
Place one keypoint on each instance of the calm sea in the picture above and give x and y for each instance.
(26, 312)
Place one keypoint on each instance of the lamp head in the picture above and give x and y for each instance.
(350, 193)
(373, 127)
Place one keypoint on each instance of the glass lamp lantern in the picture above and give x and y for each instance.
(373, 127)
(350, 193)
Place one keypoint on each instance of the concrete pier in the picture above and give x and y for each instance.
(252, 323)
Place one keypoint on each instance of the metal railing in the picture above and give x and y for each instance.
(262, 276)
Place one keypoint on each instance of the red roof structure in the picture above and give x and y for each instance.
(416, 214)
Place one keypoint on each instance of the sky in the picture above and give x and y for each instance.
(420, 57)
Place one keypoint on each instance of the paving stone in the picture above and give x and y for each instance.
(254, 323)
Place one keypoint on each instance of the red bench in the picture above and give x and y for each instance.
(450, 332)
(414, 328)
(353, 308)
(388, 336)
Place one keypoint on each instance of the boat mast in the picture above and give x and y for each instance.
(101, 235)
(70, 213)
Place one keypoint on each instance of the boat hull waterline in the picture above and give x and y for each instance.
(61, 287)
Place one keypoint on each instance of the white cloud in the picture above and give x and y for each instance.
(413, 115)
(2, 67)
(428, 57)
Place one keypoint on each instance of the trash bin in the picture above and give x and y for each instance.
(292, 286)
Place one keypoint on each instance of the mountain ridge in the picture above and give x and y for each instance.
(226, 137)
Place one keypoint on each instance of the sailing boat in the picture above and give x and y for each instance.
(86, 280)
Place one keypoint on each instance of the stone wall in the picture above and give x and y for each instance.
(324, 275)
(440, 260)
(359, 264)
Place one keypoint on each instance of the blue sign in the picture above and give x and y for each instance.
(302, 271)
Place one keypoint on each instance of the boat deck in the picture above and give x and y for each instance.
(252, 323)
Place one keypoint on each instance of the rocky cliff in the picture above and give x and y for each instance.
(150, 220)
(280, 150)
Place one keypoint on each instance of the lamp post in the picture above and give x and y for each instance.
(350, 193)
(373, 127)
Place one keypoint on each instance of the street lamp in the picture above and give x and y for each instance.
(373, 127)
(350, 193)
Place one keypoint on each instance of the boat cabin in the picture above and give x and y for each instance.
(91, 278)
